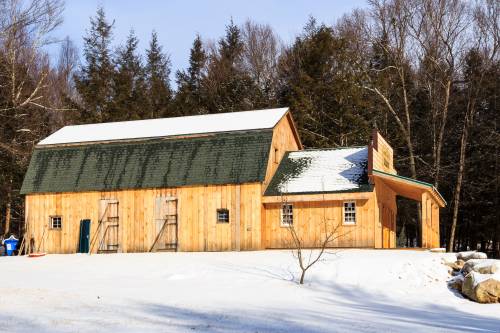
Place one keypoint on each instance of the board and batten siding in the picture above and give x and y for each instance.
(284, 139)
(309, 214)
(198, 229)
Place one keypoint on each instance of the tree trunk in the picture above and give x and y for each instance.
(302, 276)
(460, 177)
(8, 205)
(439, 144)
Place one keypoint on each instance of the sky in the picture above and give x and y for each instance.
(177, 22)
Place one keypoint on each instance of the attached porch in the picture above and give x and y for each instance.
(426, 194)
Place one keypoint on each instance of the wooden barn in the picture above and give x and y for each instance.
(221, 182)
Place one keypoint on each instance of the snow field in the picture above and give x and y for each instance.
(350, 291)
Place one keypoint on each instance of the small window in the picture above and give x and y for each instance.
(286, 215)
(55, 222)
(350, 212)
(222, 215)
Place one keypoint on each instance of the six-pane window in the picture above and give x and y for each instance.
(286, 215)
(222, 215)
(350, 212)
(55, 222)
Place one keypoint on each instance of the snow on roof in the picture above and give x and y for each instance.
(210, 123)
(325, 170)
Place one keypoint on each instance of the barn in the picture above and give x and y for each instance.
(221, 182)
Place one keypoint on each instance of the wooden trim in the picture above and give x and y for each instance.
(318, 197)
(294, 129)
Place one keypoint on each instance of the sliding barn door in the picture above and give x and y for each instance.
(109, 224)
(165, 224)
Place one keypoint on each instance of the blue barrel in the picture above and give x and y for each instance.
(10, 245)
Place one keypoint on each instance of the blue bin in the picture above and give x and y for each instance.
(10, 245)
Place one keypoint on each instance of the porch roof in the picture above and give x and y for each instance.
(408, 187)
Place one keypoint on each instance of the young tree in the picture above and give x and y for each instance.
(307, 252)
(159, 93)
(94, 82)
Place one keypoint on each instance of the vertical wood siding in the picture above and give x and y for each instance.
(198, 229)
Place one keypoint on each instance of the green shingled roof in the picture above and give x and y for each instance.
(224, 158)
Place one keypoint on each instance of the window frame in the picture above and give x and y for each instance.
(51, 222)
(222, 211)
(344, 222)
(289, 215)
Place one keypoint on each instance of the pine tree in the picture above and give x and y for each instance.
(129, 86)
(227, 86)
(159, 93)
(94, 81)
(317, 85)
(189, 97)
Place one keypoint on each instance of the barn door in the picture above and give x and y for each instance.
(165, 224)
(109, 226)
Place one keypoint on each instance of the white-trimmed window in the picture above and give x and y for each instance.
(286, 215)
(349, 210)
(56, 222)
(222, 215)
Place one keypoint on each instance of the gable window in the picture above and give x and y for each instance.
(222, 215)
(286, 215)
(350, 212)
(56, 222)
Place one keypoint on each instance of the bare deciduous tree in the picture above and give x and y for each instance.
(25, 29)
(487, 37)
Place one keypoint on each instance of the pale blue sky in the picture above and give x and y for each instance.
(177, 22)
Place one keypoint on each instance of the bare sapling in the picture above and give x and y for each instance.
(309, 254)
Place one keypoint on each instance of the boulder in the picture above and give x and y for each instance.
(483, 266)
(482, 288)
(456, 283)
(455, 266)
(471, 255)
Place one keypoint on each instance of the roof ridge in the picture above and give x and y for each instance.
(328, 149)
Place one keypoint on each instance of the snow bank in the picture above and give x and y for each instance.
(350, 291)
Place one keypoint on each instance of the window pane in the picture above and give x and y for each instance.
(286, 214)
(350, 212)
(222, 215)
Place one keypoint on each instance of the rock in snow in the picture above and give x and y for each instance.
(471, 255)
(482, 288)
(483, 266)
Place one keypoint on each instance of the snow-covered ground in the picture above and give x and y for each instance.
(351, 291)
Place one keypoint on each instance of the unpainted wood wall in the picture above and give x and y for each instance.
(197, 225)
(385, 216)
(430, 222)
(309, 222)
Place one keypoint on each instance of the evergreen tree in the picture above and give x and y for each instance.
(129, 98)
(317, 85)
(227, 86)
(159, 93)
(189, 97)
(94, 81)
